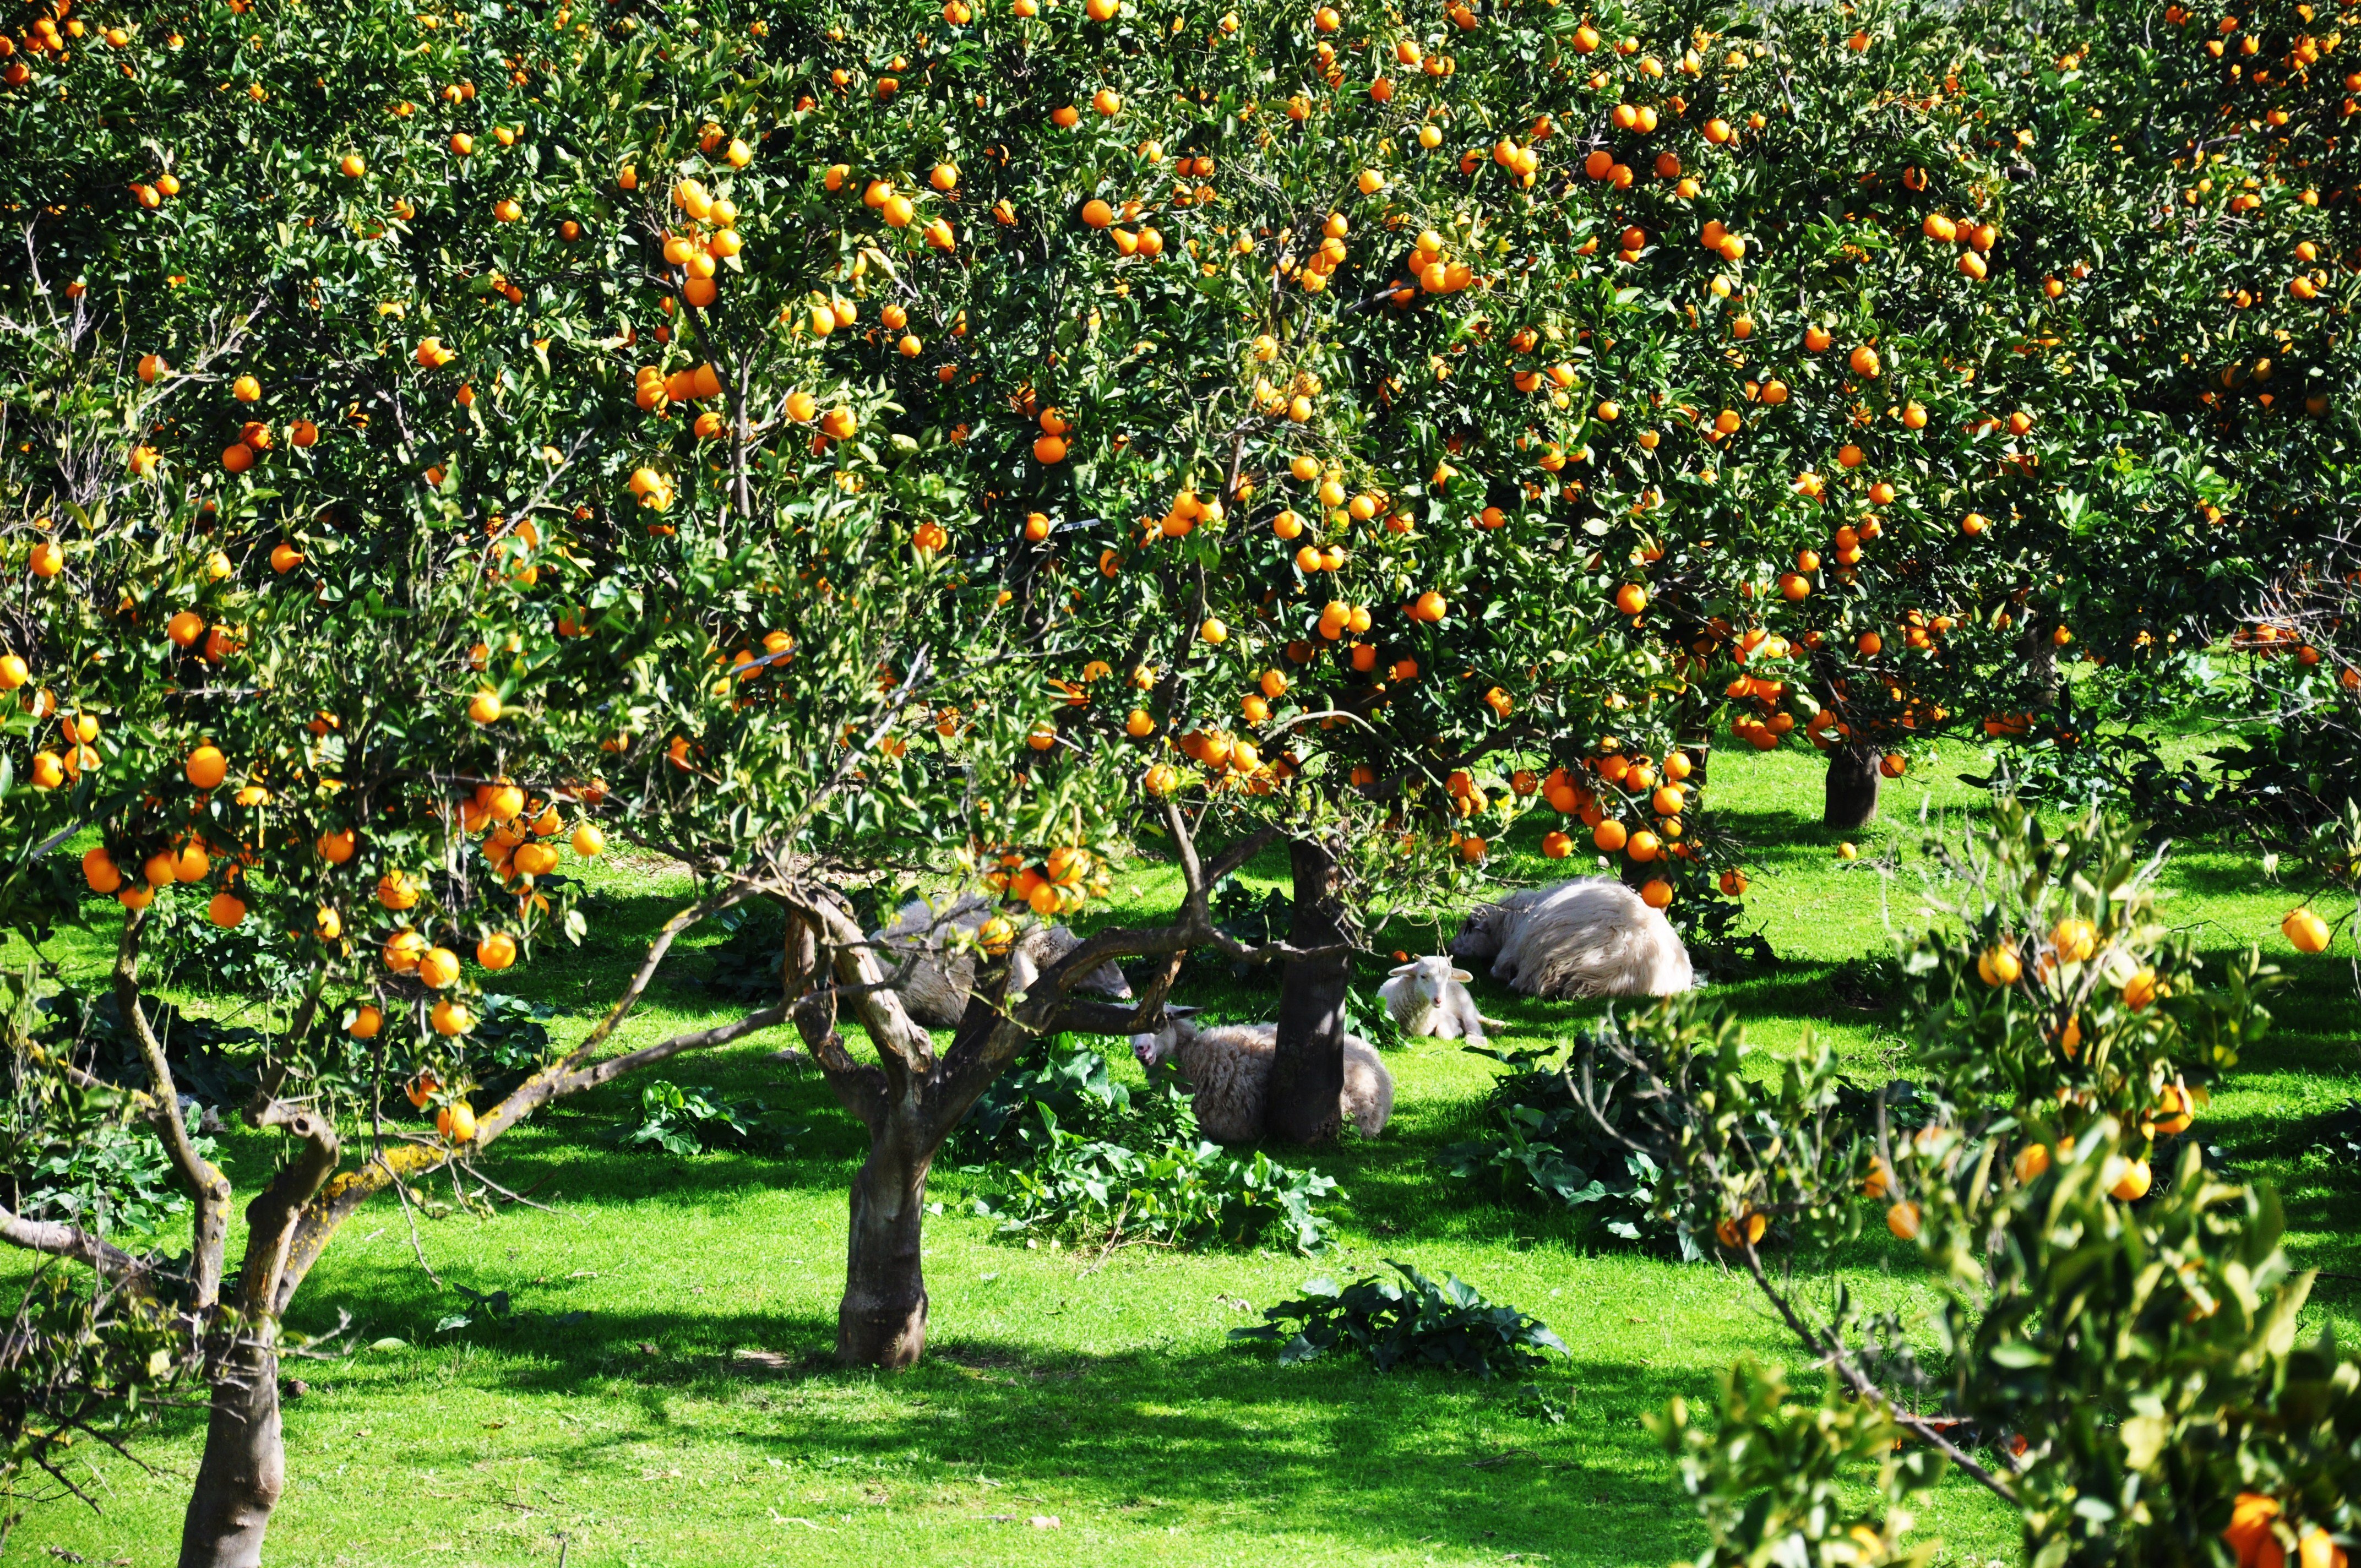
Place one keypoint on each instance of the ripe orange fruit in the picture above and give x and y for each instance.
(484, 707)
(246, 389)
(367, 1022)
(1902, 1218)
(590, 841)
(99, 870)
(498, 950)
(46, 559)
(206, 766)
(396, 891)
(1656, 893)
(1864, 363)
(455, 1121)
(2306, 929)
(225, 910)
(1999, 965)
(438, 967)
(2127, 1179)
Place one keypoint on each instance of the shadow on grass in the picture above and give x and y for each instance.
(1381, 1462)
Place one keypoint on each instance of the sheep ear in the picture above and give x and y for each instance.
(1462, 976)
(1174, 1010)
(1403, 969)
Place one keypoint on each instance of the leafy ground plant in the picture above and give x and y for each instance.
(686, 1122)
(1550, 1145)
(1092, 1160)
(1189, 1192)
(1413, 1322)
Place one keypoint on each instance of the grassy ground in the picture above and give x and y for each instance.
(1074, 1409)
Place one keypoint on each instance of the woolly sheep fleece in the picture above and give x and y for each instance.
(1591, 937)
(1228, 1070)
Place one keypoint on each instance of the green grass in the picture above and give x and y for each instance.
(1099, 1391)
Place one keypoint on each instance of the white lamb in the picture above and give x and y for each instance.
(936, 991)
(1428, 996)
(1228, 1070)
(1592, 937)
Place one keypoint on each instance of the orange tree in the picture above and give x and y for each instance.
(1272, 363)
(1953, 434)
(2113, 1353)
(380, 525)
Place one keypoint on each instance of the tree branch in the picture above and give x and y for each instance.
(208, 1188)
(271, 1218)
(55, 1238)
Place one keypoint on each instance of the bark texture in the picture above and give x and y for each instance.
(1851, 798)
(1307, 1074)
(244, 1464)
(881, 1319)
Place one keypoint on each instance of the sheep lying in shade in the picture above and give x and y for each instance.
(936, 992)
(1592, 937)
(1228, 1066)
(1428, 996)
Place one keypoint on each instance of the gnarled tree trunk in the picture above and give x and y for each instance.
(244, 1464)
(1307, 1075)
(881, 1319)
(1852, 799)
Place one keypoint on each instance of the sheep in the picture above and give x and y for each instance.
(1591, 937)
(1227, 1067)
(935, 992)
(1428, 996)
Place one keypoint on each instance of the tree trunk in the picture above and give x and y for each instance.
(2041, 659)
(1307, 1074)
(1852, 799)
(882, 1322)
(244, 1464)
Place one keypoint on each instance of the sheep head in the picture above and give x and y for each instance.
(1154, 1049)
(1431, 977)
(1479, 935)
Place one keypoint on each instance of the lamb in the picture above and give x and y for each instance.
(1591, 937)
(1428, 996)
(935, 994)
(1228, 1070)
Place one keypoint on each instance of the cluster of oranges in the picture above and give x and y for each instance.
(1143, 240)
(2071, 942)
(1064, 880)
(700, 252)
(1608, 790)
(2252, 1533)
(254, 436)
(186, 858)
(518, 832)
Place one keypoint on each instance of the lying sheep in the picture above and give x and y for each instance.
(1228, 1068)
(1427, 996)
(1592, 937)
(935, 992)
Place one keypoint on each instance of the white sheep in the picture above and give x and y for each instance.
(1228, 1068)
(1592, 937)
(935, 994)
(1428, 996)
